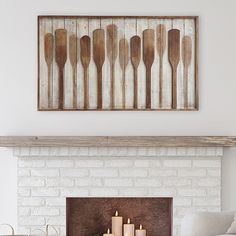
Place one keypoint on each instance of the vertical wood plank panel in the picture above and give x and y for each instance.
(142, 24)
(82, 29)
(120, 23)
(130, 30)
(179, 24)
(190, 31)
(70, 26)
(167, 72)
(152, 24)
(93, 25)
(57, 24)
(44, 28)
(106, 69)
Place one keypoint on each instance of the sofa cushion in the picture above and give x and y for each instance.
(206, 223)
(232, 228)
(226, 235)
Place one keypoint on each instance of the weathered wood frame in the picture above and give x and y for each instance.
(196, 20)
(117, 141)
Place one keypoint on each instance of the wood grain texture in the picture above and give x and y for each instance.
(174, 57)
(123, 59)
(48, 50)
(85, 55)
(130, 29)
(73, 49)
(117, 141)
(92, 216)
(161, 46)
(186, 58)
(148, 58)
(99, 58)
(112, 52)
(61, 57)
(135, 47)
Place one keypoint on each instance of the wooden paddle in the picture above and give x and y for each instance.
(85, 55)
(174, 56)
(112, 51)
(186, 58)
(73, 61)
(135, 50)
(161, 46)
(61, 57)
(99, 58)
(148, 58)
(48, 54)
(123, 59)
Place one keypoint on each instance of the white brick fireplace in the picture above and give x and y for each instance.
(46, 176)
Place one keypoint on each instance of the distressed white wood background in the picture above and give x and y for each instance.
(127, 27)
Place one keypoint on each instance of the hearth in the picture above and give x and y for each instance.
(93, 216)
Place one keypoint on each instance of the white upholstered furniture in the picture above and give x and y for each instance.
(207, 224)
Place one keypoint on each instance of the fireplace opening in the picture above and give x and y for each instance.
(94, 216)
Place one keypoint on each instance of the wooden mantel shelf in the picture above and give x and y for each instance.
(117, 141)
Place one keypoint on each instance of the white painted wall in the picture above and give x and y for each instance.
(18, 80)
(229, 180)
(8, 190)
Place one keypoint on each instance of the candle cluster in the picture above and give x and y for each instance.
(120, 229)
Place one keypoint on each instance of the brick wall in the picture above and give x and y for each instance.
(46, 176)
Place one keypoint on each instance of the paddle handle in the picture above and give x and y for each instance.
(112, 85)
(61, 88)
(135, 88)
(185, 87)
(86, 89)
(174, 88)
(49, 86)
(99, 88)
(161, 82)
(123, 89)
(148, 88)
(74, 87)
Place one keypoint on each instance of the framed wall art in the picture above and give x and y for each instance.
(117, 63)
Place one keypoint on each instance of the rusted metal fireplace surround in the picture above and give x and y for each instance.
(92, 216)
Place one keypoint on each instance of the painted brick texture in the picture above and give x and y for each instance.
(46, 176)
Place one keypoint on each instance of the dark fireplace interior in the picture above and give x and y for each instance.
(92, 216)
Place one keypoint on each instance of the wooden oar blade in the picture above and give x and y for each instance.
(73, 50)
(48, 48)
(99, 47)
(112, 46)
(123, 53)
(161, 39)
(186, 50)
(148, 47)
(135, 50)
(174, 46)
(61, 46)
(85, 50)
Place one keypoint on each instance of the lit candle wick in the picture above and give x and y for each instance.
(128, 221)
(140, 227)
(116, 213)
(108, 231)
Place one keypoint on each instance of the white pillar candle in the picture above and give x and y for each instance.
(108, 233)
(117, 224)
(128, 229)
(140, 231)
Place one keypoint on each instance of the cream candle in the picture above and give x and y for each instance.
(117, 223)
(140, 231)
(128, 229)
(108, 233)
